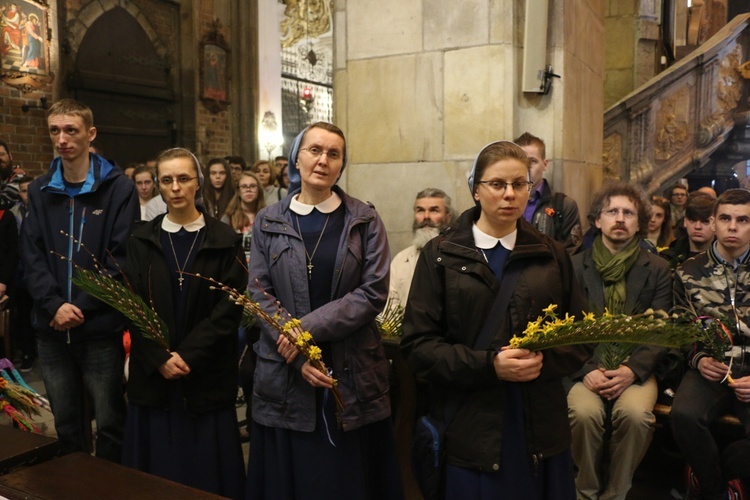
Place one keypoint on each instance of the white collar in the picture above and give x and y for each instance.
(486, 242)
(173, 227)
(326, 207)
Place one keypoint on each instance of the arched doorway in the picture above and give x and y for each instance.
(128, 85)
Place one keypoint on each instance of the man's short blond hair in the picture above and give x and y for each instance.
(72, 107)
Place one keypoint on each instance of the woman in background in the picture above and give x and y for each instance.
(660, 224)
(267, 176)
(244, 207)
(181, 422)
(219, 190)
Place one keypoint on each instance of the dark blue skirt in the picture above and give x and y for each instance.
(518, 478)
(202, 451)
(306, 465)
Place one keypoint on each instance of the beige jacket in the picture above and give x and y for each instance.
(402, 270)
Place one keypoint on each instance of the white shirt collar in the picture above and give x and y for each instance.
(191, 227)
(326, 207)
(485, 241)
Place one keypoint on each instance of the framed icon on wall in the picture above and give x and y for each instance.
(214, 70)
(24, 44)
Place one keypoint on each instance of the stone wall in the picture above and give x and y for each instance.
(423, 86)
(632, 57)
(25, 133)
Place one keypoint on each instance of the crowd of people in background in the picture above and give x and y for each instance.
(519, 424)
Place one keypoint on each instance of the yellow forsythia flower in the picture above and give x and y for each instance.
(531, 328)
(550, 309)
(314, 353)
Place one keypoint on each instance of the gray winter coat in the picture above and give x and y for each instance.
(281, 398)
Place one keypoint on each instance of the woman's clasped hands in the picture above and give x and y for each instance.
(517, 365)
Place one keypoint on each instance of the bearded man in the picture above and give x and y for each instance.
(432, 214)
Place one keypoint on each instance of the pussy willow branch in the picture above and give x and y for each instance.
(121, 297)
(253, 307)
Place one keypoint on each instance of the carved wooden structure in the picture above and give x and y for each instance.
(692, 113)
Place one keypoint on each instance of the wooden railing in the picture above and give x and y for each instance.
(676, 121)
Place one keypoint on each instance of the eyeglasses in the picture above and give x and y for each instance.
(614, 212)
(502, 186)
(181, 180)
(316, 152)
(248, 187)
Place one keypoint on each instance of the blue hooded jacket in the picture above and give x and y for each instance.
(99, 216)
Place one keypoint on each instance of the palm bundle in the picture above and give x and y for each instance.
(289, 327)
(717, 339)
(612, 354)
(126, 301)
(651, 327)
(11, 375)
(15, 401)
(390, 321)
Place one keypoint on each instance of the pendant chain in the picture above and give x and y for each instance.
(310, 256)
(181, 270)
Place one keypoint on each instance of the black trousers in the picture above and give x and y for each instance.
(697, 403)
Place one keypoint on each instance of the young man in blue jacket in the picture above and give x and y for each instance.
(80, 211)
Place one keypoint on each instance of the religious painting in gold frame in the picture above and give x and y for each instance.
(24, 44)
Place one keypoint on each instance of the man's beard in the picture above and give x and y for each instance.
(422, 233)
(6, 170)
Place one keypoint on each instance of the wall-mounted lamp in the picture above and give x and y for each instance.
(42, 105)
(269, 135)
(307, 94)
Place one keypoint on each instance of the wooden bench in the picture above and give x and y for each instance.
(662, 411)
(21, 448)
(81, 477)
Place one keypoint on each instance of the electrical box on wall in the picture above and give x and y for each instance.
(535, 46)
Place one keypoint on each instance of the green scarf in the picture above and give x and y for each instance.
(613, 269)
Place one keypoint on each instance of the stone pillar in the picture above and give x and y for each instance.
(269, 72)
(632, 57)
(245, 83)
(421, 87)
(578, 48)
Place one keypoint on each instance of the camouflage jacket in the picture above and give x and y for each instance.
(708, 286)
